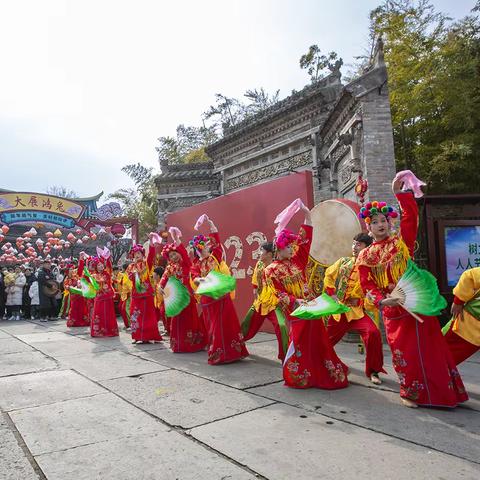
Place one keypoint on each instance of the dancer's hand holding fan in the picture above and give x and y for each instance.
(216, 285)
(417, 293)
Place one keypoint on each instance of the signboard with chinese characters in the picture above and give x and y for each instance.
(462, 250)
(20, 207)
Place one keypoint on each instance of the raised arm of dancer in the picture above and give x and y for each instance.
(409, 219)
(216, 249)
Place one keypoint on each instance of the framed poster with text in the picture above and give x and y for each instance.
(460, 248)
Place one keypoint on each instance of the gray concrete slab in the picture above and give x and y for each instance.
(22, 327)
(13, 462)
(45, 335)
(83, 421)
(12, 345)
(243, 374)
(161, 456)
(25, 362)
(124, 343)
(105, 365)
(42, 388)
(294, 444)
(4, 334)
(451, 431)
(70, 346)
(262, 337)
(182, 399)
(71, 330)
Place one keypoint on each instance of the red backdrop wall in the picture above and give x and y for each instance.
(245, 221)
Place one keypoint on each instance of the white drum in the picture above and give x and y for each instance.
(335, 223)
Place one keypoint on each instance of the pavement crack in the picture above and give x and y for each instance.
(21, 443)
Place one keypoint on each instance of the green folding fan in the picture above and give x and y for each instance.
(216, 285)
(322, 306)
(417, 292)
(86, 289)
(176, 297)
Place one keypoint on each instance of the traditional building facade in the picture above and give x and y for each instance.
(343, 134)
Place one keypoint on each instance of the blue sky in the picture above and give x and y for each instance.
(88, 86)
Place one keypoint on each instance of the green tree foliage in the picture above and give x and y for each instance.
(188, 146)
(140, 202)
(434, 84)
(317, 64)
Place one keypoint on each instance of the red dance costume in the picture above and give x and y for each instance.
(226, 343)
(187, 333)
(463, 338)
(342, 279)
(427, 373)
(314, 362)
(104, 320)
(257, 315)
(143, 316)
(77, 313)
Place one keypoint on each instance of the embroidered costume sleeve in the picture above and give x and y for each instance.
(150, 258)
(467, 325)
(80, 268)
(330, 279)
(303, 251)
(257, 274)
(409, 219)
(216, 246)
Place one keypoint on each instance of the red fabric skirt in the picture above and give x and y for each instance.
(225, 340)
(459, 348)
(187, 333)
(420, 356)
(314, 363)
(104, 320)
(144, 318)
(371, 337)
(77, 314)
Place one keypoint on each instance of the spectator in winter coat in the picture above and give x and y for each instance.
(15, 294)
(29, 275)
(3, 296)
(34, 298)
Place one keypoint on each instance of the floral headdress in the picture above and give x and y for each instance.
(169, 247)
(199, 242)
(285, 238)
(136, 248)
(94, 261)
(375, 208)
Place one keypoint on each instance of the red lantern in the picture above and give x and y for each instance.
(118, 230)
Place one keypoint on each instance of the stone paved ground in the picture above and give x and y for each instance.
(75, 408)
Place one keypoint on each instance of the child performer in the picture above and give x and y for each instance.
(257, 315)
(426, 370)
(77, 313)
(463, 338)
(187, 333)
(158, 299)
(343, 284)
(104, 320)
(124, 286)
(310, 361)
(221, 321)
(143, 317)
